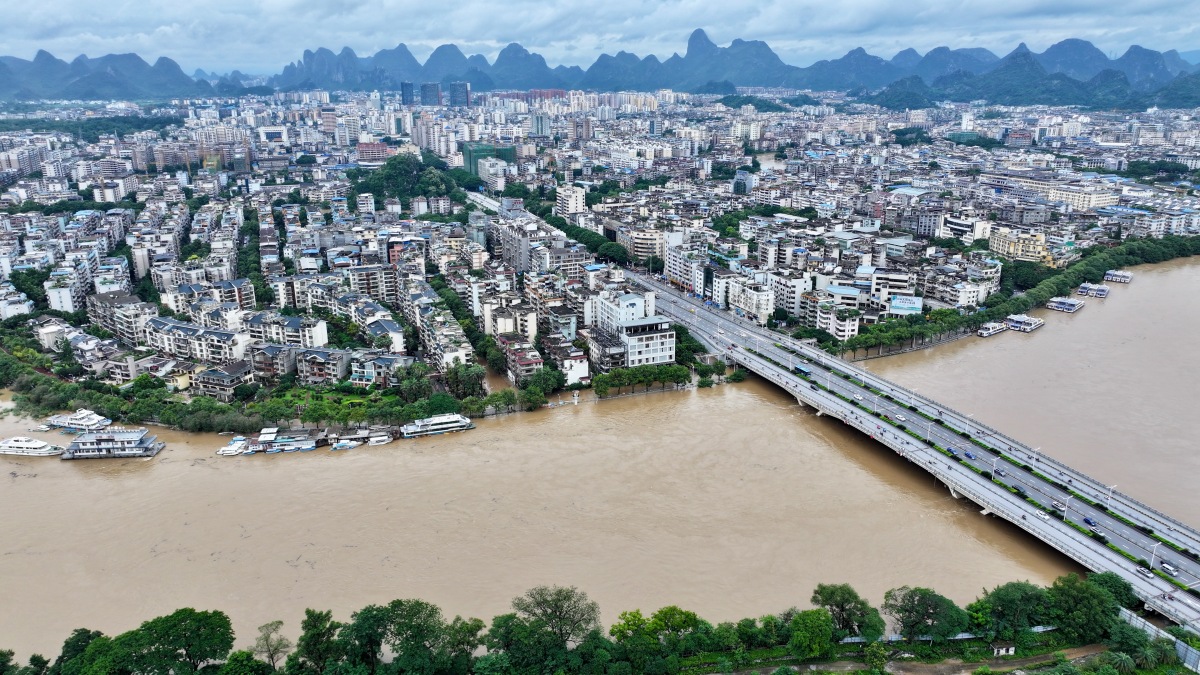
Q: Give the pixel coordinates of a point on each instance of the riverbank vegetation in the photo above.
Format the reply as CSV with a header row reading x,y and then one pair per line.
x,y
1024,286
554,629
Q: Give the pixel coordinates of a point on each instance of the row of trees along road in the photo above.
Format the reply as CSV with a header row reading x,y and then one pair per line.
x,y
554,629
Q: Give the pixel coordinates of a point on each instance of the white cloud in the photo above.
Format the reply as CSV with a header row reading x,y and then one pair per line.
x,y
261,36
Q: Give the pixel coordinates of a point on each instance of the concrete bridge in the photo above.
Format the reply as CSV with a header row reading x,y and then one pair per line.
x,y
1084,518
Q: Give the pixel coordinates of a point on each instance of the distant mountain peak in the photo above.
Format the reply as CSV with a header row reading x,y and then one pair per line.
x,y
699,45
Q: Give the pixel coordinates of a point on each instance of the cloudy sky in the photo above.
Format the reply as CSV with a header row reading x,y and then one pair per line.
x,y
260,36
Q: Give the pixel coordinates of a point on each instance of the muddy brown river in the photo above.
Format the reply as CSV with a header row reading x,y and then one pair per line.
x,y
732,501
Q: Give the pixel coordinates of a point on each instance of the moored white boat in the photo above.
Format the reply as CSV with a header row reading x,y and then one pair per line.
x,y
438,424
80,420
29,447
236,446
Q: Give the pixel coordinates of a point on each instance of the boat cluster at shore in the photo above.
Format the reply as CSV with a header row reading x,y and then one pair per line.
x,y
273,440
1027,324
96,438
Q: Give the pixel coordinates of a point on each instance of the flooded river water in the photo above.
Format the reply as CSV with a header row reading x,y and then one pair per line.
x,y
731,501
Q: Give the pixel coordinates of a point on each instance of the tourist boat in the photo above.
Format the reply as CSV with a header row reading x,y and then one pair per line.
x,y
236,446
1119,276
114,442
1068,305
344,445
1023,323
30,447
438,424
991,328
1093,290
380,439
78,421
271,440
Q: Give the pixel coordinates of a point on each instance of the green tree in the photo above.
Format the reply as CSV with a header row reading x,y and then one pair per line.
x,y
1125,638
875,656
812,634
1121,590
243,663
655,264
532,398
852,615
74,646
921,612
1015,607
272,645
317,645
614,252
187,639
566,611
1121,662
1083,611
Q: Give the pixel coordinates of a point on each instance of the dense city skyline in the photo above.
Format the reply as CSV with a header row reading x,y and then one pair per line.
x,y
224,36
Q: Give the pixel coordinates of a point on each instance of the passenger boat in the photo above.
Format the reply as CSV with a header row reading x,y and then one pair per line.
x,y
991,328
29,447
79,421
1068,305
236,446
114,442
1119,276
438,424
272,440
1023,323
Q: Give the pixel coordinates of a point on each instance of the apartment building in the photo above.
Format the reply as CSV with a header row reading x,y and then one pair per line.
x,y
121,314
270,361
628,333
302,331
1019,245
191,341
219,382
319,366
380,282
755,300
521,359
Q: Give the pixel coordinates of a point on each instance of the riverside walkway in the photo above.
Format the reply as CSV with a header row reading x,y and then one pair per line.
x,y
1084,518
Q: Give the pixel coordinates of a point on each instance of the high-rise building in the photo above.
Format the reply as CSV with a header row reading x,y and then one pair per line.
x,y
460,94
540,125
570,199
473,152
431,93
406,94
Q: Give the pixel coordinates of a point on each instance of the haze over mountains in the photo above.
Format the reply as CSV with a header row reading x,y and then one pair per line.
x,y
1069,72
